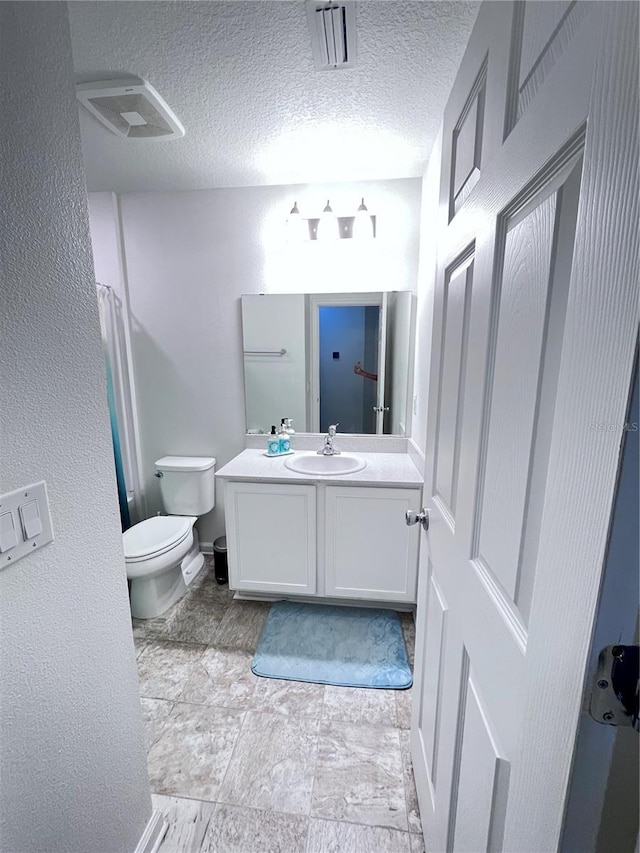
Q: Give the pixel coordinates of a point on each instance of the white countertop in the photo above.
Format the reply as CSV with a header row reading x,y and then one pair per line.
x,y
382,469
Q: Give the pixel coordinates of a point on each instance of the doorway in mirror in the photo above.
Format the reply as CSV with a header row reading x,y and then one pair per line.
x,y
348,338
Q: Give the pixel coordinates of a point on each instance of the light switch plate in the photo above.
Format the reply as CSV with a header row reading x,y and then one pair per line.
x,y
15,502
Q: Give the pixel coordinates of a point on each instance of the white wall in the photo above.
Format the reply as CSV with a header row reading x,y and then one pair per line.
x,y
189,257
105,239
426,282
71,741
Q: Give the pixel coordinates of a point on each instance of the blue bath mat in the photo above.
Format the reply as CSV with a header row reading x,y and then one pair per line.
x,y
347,646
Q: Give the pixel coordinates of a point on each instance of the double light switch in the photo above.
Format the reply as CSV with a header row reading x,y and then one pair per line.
x,y
25,523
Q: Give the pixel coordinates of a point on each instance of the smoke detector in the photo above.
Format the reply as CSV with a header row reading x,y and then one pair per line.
x,y
130,108
332,27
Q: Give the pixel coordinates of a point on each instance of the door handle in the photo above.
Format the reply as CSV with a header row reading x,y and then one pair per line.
x,y
421,517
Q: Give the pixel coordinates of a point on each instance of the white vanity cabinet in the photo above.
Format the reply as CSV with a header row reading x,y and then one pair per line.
x,y
271,537
369,550
321,540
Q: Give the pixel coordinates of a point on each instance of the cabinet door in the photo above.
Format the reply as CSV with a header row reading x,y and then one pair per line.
x,y
271,537
370,552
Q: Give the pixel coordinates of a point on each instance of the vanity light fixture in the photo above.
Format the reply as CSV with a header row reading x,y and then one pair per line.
x,y
328,227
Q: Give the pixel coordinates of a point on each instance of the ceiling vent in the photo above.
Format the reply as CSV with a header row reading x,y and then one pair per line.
x,y
333,34
130,108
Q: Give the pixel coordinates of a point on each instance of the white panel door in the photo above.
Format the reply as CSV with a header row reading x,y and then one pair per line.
x,y
271,537
369,552
535,321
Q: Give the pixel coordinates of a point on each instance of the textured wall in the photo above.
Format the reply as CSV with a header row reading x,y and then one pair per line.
x,y
189,258
71,743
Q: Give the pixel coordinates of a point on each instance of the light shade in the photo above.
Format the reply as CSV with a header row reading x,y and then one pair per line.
x,y
327,225
362,223
297,227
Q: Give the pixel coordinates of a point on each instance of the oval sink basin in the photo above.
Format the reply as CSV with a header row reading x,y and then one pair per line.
x,y
325,465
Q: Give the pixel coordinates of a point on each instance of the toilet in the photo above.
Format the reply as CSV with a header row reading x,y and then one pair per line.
x,y
162,553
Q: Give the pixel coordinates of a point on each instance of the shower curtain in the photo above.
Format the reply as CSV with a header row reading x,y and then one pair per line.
x,y
120,401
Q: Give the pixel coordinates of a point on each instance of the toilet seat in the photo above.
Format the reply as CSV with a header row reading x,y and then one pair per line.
x,y
156,536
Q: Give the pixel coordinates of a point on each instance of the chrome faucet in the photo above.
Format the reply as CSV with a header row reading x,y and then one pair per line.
x,y
328,448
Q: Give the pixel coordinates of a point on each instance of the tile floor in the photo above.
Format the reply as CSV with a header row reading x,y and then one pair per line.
x,y
241,764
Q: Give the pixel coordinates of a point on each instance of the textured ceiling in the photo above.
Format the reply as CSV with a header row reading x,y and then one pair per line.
x,y
240,77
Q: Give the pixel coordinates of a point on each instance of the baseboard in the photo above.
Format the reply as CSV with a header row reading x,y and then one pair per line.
x,y
154,833
206,547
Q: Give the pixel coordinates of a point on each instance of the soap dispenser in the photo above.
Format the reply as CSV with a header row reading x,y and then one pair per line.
x,y
273,442
283,438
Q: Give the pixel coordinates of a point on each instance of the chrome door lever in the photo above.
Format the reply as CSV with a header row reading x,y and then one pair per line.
x,y
421,517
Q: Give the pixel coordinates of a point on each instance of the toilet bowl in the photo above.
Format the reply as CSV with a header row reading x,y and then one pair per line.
x,y
162,553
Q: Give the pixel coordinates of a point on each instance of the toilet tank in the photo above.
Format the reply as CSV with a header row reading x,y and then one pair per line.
x,y
187,484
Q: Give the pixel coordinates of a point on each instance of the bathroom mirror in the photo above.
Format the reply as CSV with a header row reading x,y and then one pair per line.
x,y
329,358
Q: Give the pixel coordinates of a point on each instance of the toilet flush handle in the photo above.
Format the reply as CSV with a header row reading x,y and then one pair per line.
x,y
158,474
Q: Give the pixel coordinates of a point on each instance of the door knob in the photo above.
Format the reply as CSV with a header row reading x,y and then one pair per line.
x,y
421,517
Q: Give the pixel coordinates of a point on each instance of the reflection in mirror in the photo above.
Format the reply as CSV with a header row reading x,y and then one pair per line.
x,y
322,359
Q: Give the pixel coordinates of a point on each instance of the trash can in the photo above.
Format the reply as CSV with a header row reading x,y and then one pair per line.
x,y
220,559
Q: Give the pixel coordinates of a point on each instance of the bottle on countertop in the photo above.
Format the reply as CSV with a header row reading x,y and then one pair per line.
x,y
273,442
283,438
289,426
